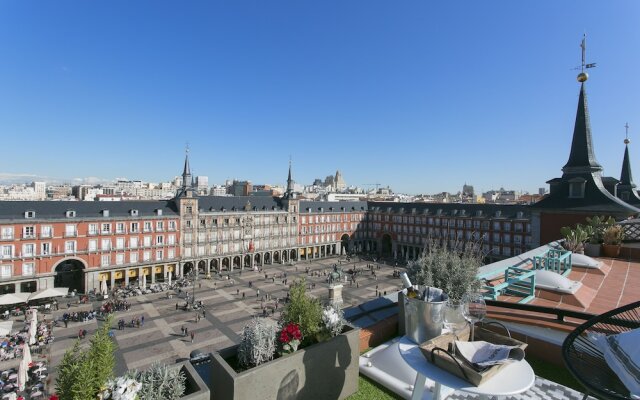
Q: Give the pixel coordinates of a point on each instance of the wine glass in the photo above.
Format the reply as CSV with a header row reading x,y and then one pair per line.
x,y
474,309
453,319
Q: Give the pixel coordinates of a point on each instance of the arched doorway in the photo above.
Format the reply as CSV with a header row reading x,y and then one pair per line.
x,y
214,265
267,258
292,255
225,264
247,261
187,268
69,273
345,243
285,257
202,267
236,262
276,257
386,245
256,259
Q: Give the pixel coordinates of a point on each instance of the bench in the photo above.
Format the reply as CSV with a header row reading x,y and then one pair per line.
x,y
517,282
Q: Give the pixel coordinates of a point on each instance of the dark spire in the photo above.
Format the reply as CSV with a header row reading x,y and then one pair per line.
x,y
186,173
581,158
289,180
625,175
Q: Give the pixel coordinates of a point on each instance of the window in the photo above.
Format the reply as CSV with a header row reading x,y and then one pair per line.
x,y
507,226
106,229
120,227
71,214
45,249
171,253
188,210
93,229
147,226
6,251
172,225
119,259
160,225
188,224
133,242
30,214
28,269
159,240
7,233
135,226
105,260
147,241
93,245
133,258
45,231
70,230
159,255
106,244
70,246
28,232
146,256
576,188
5,271
171,239
120,243
28,250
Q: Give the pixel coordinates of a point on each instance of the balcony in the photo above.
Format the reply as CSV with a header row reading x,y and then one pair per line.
x,y
7,237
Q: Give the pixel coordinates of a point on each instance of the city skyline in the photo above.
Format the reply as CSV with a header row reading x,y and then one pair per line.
x,y
419,97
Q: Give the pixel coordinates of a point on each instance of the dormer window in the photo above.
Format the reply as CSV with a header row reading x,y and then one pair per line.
x,y
576,188
134,213
158,211
105,213
71,214
498,214
29,214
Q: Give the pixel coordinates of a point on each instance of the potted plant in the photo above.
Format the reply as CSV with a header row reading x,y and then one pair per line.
x,y
574,239
596,227
309,353
613,237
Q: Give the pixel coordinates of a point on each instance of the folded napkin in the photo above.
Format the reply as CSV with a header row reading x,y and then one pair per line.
x,y
622,354
434,294
484,354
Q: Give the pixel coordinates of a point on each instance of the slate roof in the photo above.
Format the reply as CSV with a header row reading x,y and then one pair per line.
x,y
453,209
332,206
582,154
51,210
228,203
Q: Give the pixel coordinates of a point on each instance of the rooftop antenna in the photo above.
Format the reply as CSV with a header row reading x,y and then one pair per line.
x,y
583,76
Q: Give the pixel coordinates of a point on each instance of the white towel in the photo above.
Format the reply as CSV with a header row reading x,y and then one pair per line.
x,y
622,354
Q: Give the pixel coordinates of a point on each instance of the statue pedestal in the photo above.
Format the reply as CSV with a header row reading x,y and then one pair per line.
x,y
335,294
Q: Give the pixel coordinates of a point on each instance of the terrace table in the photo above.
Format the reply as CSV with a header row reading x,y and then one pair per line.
x,y
513,379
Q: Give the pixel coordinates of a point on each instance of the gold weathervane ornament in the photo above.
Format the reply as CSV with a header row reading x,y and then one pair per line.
x,y
626,133
583,76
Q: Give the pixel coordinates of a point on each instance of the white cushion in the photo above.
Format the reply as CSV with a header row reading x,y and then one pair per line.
x,y
622,354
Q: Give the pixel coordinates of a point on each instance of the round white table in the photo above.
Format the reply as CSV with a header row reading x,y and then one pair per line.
x,y
515,378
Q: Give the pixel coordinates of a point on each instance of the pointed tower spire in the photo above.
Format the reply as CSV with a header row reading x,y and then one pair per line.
x,y
186,173
289,192
625,175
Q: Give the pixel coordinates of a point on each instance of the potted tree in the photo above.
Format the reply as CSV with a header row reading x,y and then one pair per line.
x,y
596,227
309,353
613,237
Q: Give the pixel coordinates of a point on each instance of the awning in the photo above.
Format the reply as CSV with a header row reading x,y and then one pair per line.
x,y
48,293
14,298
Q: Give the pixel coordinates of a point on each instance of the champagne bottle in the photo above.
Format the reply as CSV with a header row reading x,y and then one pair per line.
x,y
412,293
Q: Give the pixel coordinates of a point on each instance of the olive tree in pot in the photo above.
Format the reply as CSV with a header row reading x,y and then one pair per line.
x,y
613,237
596,226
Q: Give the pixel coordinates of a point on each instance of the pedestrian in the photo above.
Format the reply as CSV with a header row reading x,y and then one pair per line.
x,y
203,313
200,285
176,306
142,320
66,322
243,295
192,336
238,292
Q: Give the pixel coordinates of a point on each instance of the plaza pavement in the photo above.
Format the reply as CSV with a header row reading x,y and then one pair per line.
x,y
160,338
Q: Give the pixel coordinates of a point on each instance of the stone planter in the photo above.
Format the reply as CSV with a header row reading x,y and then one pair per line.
x,y
195,387
592,249
611,250
327,370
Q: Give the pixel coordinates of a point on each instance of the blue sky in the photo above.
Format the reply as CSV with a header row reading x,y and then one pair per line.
x,y
419,95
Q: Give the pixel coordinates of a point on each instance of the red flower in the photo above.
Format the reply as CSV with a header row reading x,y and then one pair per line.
x,y
54,397
290,332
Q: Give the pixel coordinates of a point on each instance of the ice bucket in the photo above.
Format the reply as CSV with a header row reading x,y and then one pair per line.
x,y
423,319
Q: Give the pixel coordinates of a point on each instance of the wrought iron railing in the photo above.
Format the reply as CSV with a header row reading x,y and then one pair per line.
x,y
631,230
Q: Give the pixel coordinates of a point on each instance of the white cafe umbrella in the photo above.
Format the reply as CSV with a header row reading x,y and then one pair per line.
x,y
144,282
5,327
34,326
13,298
24,367
104,289
169,278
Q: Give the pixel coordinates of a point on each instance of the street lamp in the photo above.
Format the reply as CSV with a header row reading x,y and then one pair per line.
x,y
195,280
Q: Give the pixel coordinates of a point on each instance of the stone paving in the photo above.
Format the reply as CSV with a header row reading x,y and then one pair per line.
x,y
227,312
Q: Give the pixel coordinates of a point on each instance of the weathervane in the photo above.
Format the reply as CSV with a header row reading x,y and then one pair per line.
x,y
583,76
186,148
626,133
